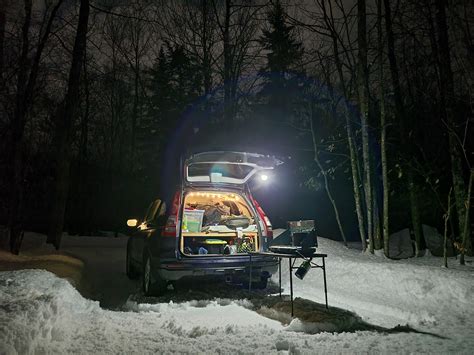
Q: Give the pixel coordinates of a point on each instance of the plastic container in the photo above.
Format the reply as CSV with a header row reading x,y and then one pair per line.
x,y
192,220
214,246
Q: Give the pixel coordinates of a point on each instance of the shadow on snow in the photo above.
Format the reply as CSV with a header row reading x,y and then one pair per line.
x,y
309,317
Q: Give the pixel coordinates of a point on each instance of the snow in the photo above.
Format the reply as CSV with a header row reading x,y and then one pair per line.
x,y
414,291
41,313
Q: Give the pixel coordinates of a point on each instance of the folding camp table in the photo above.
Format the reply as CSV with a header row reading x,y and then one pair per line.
x,y
292,257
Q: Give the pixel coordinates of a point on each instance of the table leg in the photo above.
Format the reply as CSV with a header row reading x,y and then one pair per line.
x,y
250,276
279,274
325,287
291,287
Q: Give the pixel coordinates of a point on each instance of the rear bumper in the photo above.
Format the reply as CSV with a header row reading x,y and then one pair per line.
x,y
174,269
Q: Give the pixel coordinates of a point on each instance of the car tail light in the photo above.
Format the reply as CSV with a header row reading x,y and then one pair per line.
x,y
170,229
264,218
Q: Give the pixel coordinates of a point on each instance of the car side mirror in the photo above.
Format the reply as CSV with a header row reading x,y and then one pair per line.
x,y
132,222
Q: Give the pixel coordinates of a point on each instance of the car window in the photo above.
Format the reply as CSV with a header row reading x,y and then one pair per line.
x,y
151,211
162,210
228,170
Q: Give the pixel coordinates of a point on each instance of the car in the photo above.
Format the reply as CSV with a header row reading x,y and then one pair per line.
x,y
208,228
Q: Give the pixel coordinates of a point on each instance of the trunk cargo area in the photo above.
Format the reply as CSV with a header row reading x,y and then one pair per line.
x,y
217,223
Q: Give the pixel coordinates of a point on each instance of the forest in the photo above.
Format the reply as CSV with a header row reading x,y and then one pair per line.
x,y
368,102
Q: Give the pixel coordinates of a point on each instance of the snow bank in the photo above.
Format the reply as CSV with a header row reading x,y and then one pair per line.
x,y
37,309
64,266
417,292
40,313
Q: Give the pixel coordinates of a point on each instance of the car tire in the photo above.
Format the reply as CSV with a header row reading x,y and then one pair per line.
x,y
152,283
132,272
260,285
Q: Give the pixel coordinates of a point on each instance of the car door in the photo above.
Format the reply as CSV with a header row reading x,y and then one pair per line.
x,y
144,229
153,240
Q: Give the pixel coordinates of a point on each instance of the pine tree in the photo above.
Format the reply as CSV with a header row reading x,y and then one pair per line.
x,y
151,126
160,85
284,53
284,50
175,84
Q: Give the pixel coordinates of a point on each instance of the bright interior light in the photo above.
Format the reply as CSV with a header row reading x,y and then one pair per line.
x,y
132,222
264,177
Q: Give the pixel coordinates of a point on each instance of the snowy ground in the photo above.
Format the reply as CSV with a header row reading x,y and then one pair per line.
x,y
41,313
103,264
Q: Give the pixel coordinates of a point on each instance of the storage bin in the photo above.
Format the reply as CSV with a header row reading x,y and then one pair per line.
x,y
192,220
214,246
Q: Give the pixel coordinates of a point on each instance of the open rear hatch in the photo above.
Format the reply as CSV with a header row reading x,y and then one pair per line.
x,y
234,168
218,217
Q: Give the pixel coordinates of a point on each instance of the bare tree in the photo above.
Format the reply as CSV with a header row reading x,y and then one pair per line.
x,y
400,114
383,132
238,29
192,25
363,95
447,215
330,26
115,123
26,81
2,35
138,35
324,25
66,114
325,174
465,236
448,102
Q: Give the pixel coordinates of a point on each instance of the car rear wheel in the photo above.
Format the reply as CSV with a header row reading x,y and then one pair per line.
x,y
131,271
260,285
153,284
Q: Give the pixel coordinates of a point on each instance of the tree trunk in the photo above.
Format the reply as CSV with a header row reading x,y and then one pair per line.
x,y
227,66
24,100
355,182
400,115
65,118
18,127
378,242
135,108
445,241
447,101
383,134
81,207
466,237
362,79
3,6
415,214
206,62
84,138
